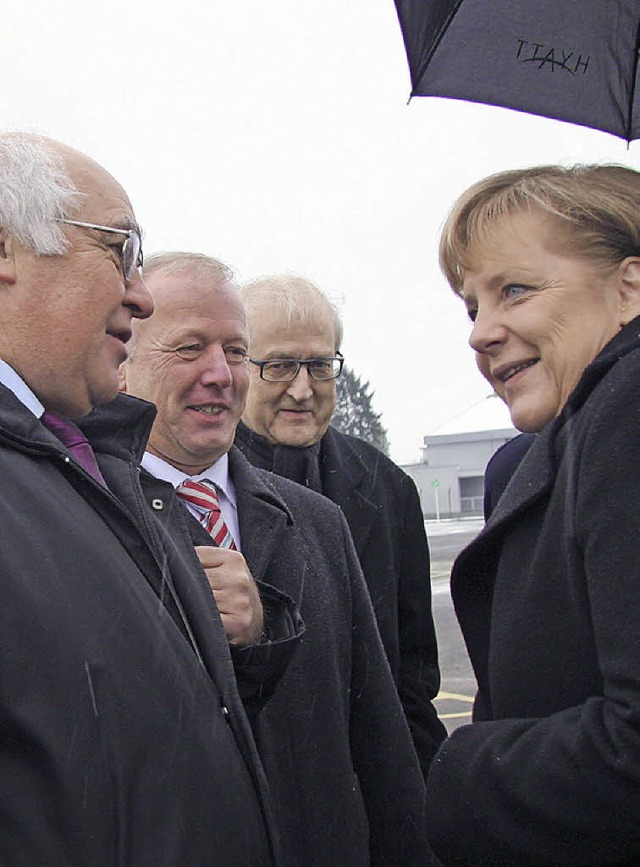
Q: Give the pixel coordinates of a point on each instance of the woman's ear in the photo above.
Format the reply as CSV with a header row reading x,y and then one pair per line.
x,y
7,259
629,289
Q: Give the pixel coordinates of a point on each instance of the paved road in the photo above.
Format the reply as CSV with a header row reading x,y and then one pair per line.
x,y
446,539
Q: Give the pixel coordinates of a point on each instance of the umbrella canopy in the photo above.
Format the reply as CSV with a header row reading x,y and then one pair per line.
x,y
573,60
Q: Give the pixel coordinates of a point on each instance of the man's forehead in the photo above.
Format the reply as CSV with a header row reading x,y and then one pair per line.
x,y
102,197
273,324
188,288
184,305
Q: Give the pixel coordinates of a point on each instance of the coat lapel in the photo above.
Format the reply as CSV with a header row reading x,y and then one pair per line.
x,y
475,568
346,480
262,513
533,478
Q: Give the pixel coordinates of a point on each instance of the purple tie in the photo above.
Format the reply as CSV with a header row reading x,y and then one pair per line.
x,y
73,438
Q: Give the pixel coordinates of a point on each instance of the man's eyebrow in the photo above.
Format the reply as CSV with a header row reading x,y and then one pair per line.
x,y
133,224
278,355
126,223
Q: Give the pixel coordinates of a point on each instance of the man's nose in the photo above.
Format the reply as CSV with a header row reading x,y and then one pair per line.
x,y
138,297
301,387
215,367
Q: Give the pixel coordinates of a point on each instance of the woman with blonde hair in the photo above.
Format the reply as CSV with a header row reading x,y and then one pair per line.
x,y
547,263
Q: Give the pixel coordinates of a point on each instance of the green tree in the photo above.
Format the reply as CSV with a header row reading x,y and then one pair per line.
x,y
354,413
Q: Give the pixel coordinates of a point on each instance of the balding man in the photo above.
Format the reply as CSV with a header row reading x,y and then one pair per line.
x,y
296,335
124,740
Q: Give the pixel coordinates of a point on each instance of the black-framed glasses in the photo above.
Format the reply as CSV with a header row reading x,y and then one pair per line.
x,y
286,369
131,251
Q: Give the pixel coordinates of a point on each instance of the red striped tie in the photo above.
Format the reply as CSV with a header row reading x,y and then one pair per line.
x,y
204,495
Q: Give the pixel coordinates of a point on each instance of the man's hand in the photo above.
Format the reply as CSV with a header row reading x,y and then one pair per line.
x,y
235,592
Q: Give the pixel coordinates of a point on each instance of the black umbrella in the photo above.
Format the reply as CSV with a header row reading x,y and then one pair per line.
x,y
573,60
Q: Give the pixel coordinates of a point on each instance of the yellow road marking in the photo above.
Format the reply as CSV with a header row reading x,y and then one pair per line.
x,y
455,696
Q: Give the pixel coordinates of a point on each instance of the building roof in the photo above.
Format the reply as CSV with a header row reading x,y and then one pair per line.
x,y
488,414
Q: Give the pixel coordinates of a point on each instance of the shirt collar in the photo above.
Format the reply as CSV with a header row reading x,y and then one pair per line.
x,y
15,383
218,473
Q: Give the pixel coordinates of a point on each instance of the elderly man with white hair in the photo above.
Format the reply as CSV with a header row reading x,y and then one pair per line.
x,y
296,336
124,740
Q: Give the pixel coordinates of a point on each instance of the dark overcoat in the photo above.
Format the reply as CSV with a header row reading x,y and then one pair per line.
x,y
123,741
344,777
503,464
548,598
382,508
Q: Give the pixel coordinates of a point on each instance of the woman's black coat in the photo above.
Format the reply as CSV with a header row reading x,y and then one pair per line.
x,y
548,597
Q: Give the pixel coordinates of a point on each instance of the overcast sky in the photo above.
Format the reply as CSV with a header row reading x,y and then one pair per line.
x,y
276,135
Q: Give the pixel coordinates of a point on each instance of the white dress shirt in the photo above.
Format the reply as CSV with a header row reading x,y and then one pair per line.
x,y
19,387
218,473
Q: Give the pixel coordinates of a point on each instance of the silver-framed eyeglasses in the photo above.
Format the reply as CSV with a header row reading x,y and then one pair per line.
x,y
131,251
286,369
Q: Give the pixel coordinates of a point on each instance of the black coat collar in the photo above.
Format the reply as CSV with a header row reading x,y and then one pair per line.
x,y
536,474
120,428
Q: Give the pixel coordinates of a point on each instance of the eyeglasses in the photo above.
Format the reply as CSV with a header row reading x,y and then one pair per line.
x,y
286,369
131,251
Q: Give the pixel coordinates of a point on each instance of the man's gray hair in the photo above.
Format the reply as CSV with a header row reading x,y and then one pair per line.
x,y
35,192
175,263
298,298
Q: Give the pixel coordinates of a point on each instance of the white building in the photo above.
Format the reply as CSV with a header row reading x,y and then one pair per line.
x,y
450,476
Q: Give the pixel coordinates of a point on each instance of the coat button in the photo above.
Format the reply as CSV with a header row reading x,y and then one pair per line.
x,y
157,504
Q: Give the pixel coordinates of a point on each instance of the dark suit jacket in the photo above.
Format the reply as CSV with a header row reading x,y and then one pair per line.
x,y
548,598
382,508
345,782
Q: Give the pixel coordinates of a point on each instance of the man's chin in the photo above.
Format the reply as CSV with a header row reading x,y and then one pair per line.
x,y
296,437
209,451
83,404
103,388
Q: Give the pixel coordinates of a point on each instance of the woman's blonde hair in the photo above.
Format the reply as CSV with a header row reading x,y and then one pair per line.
x,y
599,205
